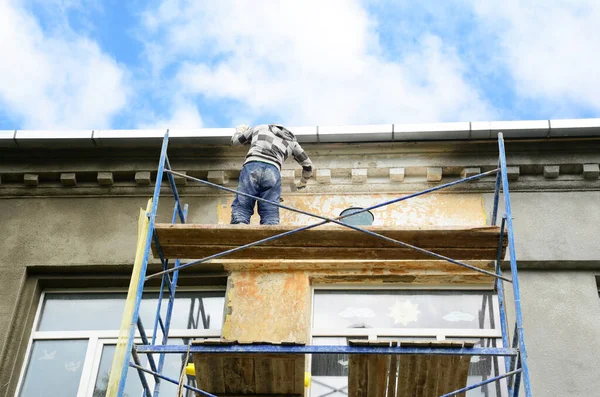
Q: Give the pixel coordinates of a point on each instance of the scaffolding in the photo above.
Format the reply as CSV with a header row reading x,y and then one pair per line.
x,y
514,352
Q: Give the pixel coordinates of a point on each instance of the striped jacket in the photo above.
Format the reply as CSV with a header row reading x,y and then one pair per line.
x,y
272,144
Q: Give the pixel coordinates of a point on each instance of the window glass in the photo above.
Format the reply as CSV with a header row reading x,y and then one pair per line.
x,y
133,387
103,311
381,312
54,368
404,309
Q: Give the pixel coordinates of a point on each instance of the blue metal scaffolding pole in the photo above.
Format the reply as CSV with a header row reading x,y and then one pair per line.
x,y
513,269
512,355
140,287
327,349
181,213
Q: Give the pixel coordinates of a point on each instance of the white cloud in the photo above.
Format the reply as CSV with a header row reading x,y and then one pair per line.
x,y
310,62
551,48
56,80
183,115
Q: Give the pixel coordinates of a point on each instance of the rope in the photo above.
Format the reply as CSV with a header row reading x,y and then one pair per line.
x,y
180,387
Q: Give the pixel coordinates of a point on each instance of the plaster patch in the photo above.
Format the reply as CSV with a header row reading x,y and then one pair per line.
x,y
428,210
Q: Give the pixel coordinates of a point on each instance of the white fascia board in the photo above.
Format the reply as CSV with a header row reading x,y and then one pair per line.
x,y
433,131
356,133
520,129
305,134
120,134
219,136
7,138
78,138
128,137
574,127
481,130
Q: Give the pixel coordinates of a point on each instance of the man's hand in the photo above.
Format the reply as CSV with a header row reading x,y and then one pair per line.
x,y
240,129
302,183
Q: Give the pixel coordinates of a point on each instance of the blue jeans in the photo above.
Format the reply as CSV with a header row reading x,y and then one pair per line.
x,y
261,180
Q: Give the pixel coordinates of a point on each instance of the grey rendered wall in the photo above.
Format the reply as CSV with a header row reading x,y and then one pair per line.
x,y
74,234
561,308
80,231
555,226
561,316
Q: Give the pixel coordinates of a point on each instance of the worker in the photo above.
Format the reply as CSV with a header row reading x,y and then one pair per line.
x,y
270,146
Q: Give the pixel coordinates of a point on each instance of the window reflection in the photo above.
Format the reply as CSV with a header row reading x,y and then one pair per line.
x,y
103,311
133,387
404,309
54,368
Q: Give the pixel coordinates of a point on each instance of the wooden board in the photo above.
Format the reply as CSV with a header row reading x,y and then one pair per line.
x,y
407,375
327,242
250,374
400,266
369,375
357,375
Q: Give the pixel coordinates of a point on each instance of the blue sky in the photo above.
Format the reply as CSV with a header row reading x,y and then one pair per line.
x,y
93,64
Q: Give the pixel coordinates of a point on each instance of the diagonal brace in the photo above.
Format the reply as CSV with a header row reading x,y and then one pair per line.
x,y
336,221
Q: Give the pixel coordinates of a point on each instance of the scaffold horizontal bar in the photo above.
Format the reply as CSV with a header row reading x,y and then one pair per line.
x,y
326,349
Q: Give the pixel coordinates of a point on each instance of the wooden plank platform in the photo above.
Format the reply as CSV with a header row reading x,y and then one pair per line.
x,y
192,241
411,375
369,375
229,375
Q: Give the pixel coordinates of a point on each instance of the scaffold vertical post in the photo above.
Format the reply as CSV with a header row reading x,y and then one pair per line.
x,y
513,268
140,286
172,290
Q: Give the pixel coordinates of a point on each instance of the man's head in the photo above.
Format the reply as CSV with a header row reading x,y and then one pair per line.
x,y
282,132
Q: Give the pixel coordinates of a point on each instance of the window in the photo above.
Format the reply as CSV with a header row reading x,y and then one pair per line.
x,y
75,334
340,315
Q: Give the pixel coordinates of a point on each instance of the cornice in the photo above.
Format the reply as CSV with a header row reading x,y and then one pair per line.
x,y
339,168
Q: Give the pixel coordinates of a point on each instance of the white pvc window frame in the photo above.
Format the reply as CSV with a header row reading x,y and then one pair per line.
x,y
98,339
373,334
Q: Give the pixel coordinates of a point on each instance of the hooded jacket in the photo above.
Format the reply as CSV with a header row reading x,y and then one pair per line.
x,y
272,144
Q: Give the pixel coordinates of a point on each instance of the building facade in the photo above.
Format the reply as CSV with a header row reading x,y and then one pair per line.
x,y
69,203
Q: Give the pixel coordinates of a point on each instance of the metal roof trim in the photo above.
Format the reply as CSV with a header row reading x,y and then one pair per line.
x,y
7,138
575,127
40,138
355,133
433,131
476,130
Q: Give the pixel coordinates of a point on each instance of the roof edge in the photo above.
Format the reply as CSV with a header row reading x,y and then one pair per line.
x,y
395,132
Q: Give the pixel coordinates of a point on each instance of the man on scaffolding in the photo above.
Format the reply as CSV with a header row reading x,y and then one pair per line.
x,y
270,146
